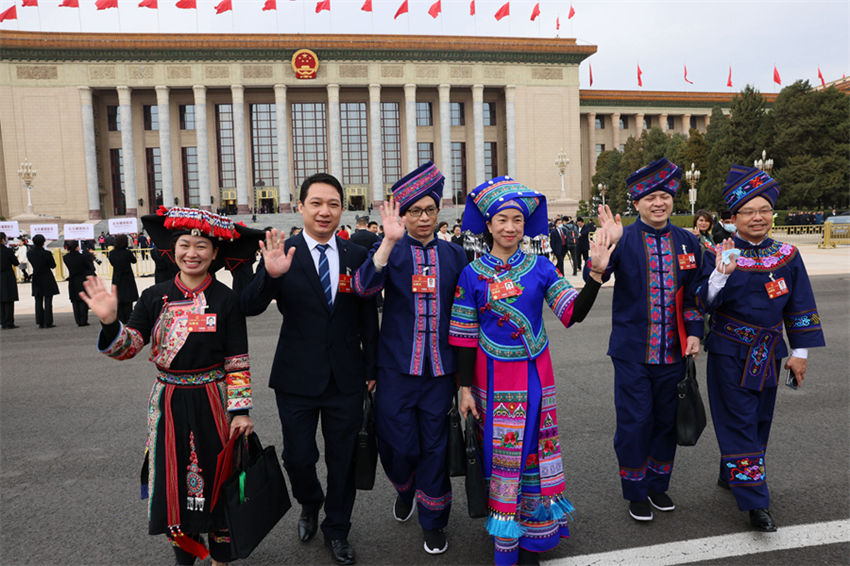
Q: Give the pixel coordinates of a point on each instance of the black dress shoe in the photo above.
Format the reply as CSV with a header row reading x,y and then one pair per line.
x,y
308,524
341,551
761,520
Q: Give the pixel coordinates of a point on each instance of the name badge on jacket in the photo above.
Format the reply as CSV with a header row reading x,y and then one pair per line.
x,y
201,322
687,261
504,289
424,284
776,288
345,283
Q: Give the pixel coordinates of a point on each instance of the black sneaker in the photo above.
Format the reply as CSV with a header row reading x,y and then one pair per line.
x,y
661,501
435,541
402,511
640,510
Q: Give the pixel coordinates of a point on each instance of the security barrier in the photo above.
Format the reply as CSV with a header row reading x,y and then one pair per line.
x,y
835,234
811,234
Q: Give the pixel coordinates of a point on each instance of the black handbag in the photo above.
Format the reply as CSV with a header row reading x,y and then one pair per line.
x,y
476,488
254,497
366,453
690,412
456,457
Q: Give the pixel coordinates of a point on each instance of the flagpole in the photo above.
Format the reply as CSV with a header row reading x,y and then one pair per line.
x,y
118,12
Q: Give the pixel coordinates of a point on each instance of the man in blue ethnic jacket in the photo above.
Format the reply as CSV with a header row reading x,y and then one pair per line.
x,y
418,273
750,298
655,323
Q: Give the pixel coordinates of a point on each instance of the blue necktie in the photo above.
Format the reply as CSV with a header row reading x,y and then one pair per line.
x,y
325,272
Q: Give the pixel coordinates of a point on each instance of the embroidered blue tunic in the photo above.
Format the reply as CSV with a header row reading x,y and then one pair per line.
x,y
747,323
644,325
415,329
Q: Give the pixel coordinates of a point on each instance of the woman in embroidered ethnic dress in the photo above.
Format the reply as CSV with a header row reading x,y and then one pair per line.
x,y
202,393
505,369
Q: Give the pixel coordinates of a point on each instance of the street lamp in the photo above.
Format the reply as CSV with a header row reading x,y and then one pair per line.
x,y
603,190
692,177
764,163
27,174
561,163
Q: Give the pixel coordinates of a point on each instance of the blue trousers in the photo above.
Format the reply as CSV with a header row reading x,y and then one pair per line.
x,y
645,441
411,422
742,419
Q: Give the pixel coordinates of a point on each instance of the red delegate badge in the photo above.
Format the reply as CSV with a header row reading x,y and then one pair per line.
x,y
776,288
201,322
687,261
504,289
345,283
424,284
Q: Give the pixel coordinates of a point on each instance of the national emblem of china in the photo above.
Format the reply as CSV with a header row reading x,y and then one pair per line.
x,y
305,64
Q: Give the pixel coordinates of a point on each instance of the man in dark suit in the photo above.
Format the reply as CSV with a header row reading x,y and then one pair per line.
x,y
8,284
556,242
325,356
43,282
362,236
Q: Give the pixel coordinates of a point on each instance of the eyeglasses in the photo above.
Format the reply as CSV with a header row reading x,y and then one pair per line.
x,y
417,212
749,212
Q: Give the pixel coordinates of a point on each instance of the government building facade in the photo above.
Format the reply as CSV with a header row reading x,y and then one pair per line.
x,y
118,124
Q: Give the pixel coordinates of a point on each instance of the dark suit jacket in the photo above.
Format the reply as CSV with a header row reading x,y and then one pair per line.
x,y
80,266
122,275
8,283
317,343
364,238
43,281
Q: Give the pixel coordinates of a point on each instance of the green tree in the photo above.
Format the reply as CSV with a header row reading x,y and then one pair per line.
x,y
607,172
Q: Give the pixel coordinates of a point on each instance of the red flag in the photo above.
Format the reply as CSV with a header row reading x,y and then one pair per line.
x,y
472,8
686,76
70,4
367,6
401,9
640,81
323,5
820,76
589,66
148,4
435,9
535,12
558,22
29,3
270,5
104,4
505,10
9,14
572,12
776,78
729,80
223,6
186,4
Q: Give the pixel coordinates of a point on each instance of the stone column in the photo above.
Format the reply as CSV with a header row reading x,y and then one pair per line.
x,y
128,156
202,146
615,130
334,133
591,142
707,120
478,133
241,154
663,122
445,164
638,125
90,153
376,156
412,155
284,184
165,149
510,128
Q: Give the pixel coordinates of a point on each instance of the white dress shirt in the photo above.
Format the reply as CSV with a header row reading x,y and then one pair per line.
x,y
332,253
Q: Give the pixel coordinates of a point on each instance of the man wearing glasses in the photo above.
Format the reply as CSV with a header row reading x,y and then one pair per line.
x,y
416,365
750,298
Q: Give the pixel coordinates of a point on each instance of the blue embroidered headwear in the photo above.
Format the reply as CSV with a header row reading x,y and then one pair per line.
x,y
745,183
499,194
661,175
425,180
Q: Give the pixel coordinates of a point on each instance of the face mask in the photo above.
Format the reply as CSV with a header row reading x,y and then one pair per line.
x,y
730,228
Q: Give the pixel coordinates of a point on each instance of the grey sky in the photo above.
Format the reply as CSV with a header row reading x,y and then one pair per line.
x,y
707,36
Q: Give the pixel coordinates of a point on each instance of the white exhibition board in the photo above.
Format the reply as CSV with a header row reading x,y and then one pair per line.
x,y
79,231
123,225
10,228
49,231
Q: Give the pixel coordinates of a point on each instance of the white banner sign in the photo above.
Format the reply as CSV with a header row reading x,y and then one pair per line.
x,y
10,227
123,225
79,231
49,231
